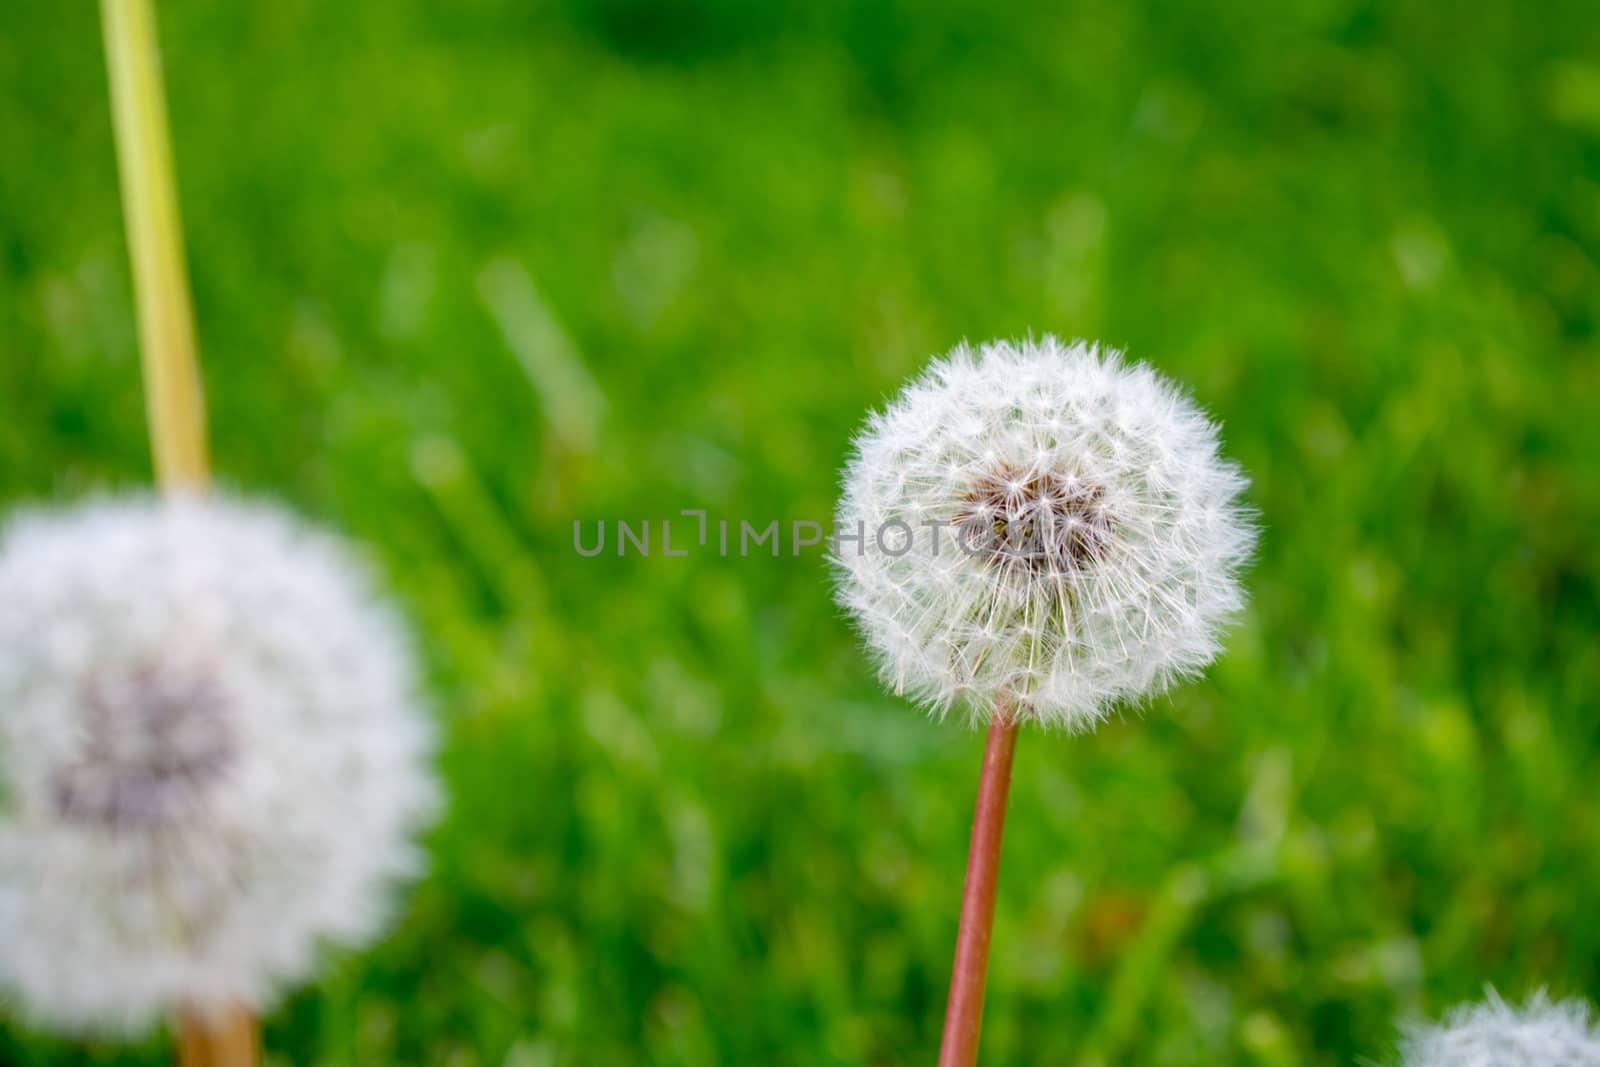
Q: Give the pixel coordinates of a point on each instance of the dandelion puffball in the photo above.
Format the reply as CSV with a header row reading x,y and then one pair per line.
x,y
1041,526
213,758
1494,1034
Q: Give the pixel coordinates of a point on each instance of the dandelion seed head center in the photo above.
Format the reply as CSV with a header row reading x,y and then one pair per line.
x,y
154,739
1042,521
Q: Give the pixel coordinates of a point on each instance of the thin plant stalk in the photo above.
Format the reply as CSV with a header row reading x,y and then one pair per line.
x,y
225,1040
964,1012
173,396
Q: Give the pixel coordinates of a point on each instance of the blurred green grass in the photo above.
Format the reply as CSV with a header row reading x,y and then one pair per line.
x,y
687,826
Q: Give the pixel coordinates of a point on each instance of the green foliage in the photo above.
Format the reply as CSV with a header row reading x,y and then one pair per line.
x,y
688,828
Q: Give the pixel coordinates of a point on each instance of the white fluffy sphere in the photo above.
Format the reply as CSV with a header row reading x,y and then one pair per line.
x,y
213,758
1494,1034
1042,526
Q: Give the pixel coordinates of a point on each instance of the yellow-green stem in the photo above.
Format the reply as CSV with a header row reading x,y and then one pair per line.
x,y
227,1038
174,401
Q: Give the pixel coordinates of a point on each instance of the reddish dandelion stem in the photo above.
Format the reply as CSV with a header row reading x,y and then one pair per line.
x,y
964,1013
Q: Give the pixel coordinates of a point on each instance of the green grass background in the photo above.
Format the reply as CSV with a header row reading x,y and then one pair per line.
x,y
687,826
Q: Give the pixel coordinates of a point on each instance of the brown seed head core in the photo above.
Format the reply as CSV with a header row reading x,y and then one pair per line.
x,y
153,738
1040,521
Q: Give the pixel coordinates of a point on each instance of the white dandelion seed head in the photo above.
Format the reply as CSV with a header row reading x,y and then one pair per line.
x,y
1494,1034
213,758
1041,525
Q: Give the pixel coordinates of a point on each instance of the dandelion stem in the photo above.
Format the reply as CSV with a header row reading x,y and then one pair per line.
x,y
173,397
964,1013
174,401
225,1040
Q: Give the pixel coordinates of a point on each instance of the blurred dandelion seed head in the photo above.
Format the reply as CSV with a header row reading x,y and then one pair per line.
x,y
213,754
153,739
1093,533
1494,1034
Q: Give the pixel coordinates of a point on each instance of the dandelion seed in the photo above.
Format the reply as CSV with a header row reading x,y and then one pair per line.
x,y
1543,1033
212,754
1098,532
1100,537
